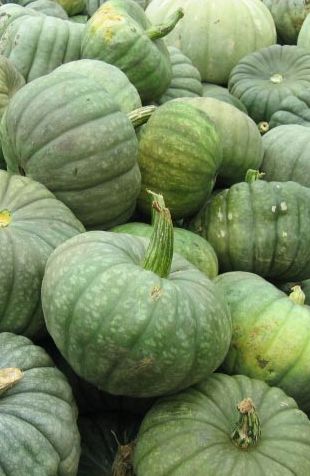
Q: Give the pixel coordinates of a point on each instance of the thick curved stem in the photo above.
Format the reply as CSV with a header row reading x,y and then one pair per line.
x,y
159,31
297,295
253,175
247,431
8,378
141,115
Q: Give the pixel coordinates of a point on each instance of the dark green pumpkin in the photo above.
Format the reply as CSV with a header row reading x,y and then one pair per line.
x,y
189,245
201,432
261,80
270,335
48,7
120,33
294,109
180,154
261,227
215,91
38,413
32,224
65,131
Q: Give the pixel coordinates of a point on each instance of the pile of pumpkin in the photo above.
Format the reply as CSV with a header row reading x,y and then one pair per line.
x,y
154,238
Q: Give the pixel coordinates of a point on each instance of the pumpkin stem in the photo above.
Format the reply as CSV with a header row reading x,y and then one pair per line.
x,y
263,127
159,31
159,253
122,464
5,218
8,378
247,430
253,175
141,115
297,295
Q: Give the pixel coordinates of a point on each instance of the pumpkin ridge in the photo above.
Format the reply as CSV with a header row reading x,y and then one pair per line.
x,y
35,50
268,456
13,275
275,199
8,178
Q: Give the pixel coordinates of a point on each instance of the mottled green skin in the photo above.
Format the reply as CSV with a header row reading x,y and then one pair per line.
x,y
73,7
270,335
148,335
288,16
111,78
39,224
38,415
261,227
36,45
101,433
286,154
49,7
93,5
189,433
250,81
294,109
189,245
65,131
305,286
117,34
222,94
186,79
180,154
10,11
240,138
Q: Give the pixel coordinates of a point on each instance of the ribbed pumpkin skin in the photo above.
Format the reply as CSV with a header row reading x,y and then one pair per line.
x,y
286,154
49,7
148,335
73,7
189,433
36,45
293,110
288,16
240,138
38,414
222,35
261,227
189,245
179,156
11,11
110,78
270,335
263,79
303,39
39,223
65,131
222,94
186,80
117,34
10,82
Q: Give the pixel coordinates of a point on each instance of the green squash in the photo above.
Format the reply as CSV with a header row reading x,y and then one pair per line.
x,y
261,80
48,7
261,227
288,16
216,34
224,426
180,154
270,334
65,131
189,245
38,413
111,78
186,80
153,324
73,7
79,19
222,94
241,141
119,33
10,12
286,154
32,224
93,5
293,109
303,39
36,45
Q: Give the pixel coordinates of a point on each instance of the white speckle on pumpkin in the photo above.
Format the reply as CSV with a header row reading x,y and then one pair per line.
x,y
283,206
230,216
273,208
220,215
222,233
284,234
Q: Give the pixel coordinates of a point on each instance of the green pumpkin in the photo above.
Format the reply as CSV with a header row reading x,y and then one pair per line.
x,y
261,227
189,245
38,413
36,45
153,324
48,7
79,19
294,109
261,80
65,131
119,33
303,39
288,16
186,80
216,34
11,11
270,334
32,224
73,7
227,426
286,154
180,154
222,94
240,138
93,5
111,78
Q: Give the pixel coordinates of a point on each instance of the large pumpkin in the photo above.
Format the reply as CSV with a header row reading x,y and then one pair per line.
x,y
224,426
153,325
38,413
293,109
216,34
